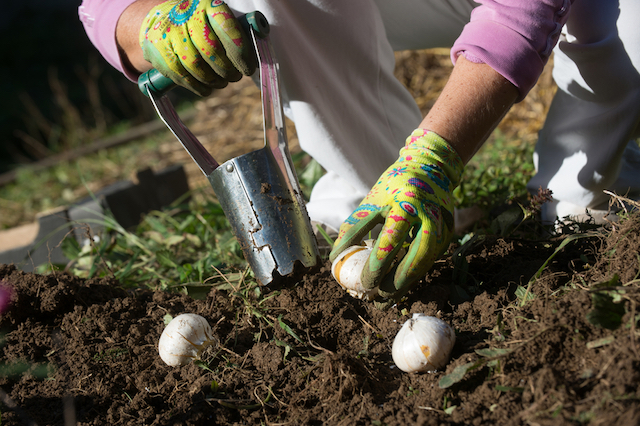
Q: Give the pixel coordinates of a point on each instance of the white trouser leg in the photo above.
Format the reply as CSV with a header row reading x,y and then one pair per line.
x,y
586,143
336,65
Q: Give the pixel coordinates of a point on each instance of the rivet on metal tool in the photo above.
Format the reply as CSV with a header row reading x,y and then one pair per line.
x,y
230,168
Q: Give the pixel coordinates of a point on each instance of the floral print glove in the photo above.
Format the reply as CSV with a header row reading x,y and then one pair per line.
x,y
198,44
413,200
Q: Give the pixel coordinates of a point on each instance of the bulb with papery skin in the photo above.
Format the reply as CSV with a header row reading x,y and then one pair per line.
x,y
424,343
184,339
347,270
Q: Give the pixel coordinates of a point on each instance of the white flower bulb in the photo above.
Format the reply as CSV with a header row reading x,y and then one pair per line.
x,y
184,338
347,270
424,343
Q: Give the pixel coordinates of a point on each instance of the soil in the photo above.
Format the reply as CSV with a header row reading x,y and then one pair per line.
x,y
84,352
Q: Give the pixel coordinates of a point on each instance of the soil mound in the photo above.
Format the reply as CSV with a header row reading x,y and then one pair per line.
x,y
562,350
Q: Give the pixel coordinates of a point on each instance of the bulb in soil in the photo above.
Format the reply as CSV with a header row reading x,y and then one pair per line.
x,y
184,339
347,270
424,343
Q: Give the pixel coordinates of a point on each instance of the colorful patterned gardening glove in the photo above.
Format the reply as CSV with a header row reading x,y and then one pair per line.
x,y
198,44
413,200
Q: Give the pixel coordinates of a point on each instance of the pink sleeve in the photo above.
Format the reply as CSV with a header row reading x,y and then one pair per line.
x,y
100,18
514,37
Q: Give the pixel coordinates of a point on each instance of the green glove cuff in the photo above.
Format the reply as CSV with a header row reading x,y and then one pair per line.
x,y
432,149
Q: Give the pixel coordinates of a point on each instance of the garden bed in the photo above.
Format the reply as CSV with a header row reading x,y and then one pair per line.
x,y
86,350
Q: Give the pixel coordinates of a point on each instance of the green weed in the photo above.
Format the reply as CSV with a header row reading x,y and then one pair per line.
x,y
180,248
490,357
498,172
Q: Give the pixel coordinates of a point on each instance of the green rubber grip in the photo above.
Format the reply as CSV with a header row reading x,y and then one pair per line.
x,y
160,84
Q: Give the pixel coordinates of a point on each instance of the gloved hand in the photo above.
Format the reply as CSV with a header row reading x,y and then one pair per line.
x,y
413,200
198,44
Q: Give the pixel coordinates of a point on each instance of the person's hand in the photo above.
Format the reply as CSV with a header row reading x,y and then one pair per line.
x,y
198,44
413,200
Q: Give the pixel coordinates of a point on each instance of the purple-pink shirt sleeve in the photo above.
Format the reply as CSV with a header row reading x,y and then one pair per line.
x,y
514,37
100,18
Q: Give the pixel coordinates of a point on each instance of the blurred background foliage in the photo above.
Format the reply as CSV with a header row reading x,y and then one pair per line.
x,y
57,91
